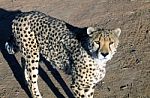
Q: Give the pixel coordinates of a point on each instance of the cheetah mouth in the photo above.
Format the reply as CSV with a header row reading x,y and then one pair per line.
x,y
102,58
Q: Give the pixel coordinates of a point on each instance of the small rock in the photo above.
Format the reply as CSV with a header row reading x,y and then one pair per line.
x,y
108,88
123,87
132,50
138,61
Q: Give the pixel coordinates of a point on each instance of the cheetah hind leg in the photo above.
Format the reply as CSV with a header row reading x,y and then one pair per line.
x,y
26,74
31,73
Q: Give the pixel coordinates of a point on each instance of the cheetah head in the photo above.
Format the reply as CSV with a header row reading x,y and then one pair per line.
x,y
103,43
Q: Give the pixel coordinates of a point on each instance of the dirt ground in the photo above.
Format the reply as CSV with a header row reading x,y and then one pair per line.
x,y
128,73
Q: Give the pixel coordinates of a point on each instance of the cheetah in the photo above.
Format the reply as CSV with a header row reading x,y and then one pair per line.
x,y
84,50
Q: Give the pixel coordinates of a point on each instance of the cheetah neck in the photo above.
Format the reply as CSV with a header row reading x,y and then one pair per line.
x,y
100,62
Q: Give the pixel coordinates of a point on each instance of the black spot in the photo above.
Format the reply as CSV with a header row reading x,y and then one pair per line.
x,y
76,91
28,56
24,24
31,24
34,76
21,35
35,92
24,53
34,53
37,24
33,68
89,95
18,32
32,61
29,69
37,29
34,46
33,81
17,28
29,32
82,96
79,88
85,56
26,35
31,35
46,30
26,28
21,20
53,32
24,40
35,17
33,21
25,19
26,44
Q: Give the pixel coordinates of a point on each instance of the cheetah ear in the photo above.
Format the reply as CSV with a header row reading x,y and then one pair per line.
x,y
117,32
90,31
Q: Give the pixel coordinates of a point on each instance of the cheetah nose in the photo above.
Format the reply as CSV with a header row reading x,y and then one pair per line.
x,y
104,54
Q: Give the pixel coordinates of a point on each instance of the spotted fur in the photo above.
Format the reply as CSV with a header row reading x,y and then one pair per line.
x,y
84,50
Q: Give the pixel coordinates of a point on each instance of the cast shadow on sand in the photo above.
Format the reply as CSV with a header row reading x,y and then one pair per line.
x,y
6,18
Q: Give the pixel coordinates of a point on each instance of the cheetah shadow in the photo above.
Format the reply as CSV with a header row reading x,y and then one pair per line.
x,y
6,18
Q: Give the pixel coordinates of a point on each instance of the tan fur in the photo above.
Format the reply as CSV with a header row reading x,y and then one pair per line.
x,y
105,42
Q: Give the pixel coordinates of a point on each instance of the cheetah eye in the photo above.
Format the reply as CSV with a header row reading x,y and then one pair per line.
x,y
97,42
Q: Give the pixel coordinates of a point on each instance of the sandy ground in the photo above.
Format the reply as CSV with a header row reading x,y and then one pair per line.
x,y
128,73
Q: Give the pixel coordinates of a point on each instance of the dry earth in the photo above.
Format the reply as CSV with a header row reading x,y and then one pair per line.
x,y
128,73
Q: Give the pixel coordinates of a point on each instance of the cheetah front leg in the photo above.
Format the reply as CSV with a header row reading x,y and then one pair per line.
x,y
89,92
82,92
